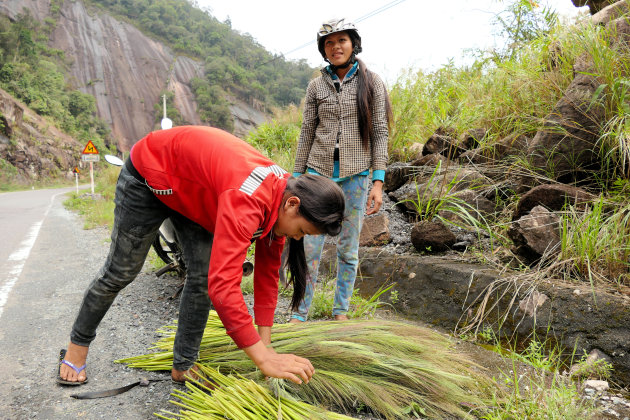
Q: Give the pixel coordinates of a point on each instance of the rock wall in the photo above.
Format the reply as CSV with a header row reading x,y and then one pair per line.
x,y
123,69
32,145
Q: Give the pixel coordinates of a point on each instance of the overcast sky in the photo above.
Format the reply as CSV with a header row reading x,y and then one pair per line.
x,y
396,34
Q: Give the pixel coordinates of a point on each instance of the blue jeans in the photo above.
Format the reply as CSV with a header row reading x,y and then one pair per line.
x,y
137,218
355,191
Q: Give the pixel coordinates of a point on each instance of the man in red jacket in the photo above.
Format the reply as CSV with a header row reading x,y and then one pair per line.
x,y
222,195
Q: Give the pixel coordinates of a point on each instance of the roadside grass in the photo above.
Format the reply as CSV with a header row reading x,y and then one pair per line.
x,y
595,243
537,385
97,210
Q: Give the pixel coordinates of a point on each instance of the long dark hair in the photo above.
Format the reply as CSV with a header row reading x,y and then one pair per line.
x,y
365,97
322,203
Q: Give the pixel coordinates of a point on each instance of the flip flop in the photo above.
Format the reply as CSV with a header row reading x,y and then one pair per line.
x,y
62,361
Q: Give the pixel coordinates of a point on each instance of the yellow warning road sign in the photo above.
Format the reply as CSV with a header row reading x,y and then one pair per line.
x,y
90,149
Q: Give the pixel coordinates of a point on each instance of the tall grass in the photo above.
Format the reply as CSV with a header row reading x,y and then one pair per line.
x,y
505,97
595,246
97,210
278,139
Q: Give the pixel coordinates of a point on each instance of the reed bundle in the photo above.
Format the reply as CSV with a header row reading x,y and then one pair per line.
x,y
239,398
390,369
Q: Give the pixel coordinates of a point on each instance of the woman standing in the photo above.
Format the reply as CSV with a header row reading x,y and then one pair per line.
x,y
344,135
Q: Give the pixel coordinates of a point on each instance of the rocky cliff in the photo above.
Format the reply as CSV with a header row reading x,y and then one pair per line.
x,y
124,70
33,146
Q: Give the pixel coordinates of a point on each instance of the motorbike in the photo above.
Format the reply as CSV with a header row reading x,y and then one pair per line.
x,y
167,246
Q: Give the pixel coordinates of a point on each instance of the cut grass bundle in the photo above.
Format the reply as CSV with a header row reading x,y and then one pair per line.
x,y
231,397
390,369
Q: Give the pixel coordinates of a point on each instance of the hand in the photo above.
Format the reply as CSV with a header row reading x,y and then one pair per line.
x,y
284,366
375,199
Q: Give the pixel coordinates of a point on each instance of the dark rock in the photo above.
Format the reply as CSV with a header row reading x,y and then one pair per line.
x,y
470,139
430,160
429,236
432,186
460,246
441,142
610,13
511,145
375,230
396,175
594,6
553,197
536,234
565,148
473,204
474,156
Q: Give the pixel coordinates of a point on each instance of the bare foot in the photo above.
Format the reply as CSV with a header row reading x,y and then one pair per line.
x,y
295,321
77,355
341,317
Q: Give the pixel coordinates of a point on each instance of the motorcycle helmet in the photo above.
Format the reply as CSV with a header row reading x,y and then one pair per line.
x,y
338,25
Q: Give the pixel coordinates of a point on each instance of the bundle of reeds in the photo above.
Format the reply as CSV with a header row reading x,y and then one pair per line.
x,y
390,369
238,398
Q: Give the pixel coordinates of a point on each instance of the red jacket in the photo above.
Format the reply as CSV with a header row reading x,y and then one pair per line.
x,y
229,188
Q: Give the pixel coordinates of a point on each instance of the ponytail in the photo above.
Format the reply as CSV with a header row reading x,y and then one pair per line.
x,y
365,100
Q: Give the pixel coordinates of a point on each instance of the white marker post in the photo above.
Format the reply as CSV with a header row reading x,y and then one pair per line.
x,y
75,171
166,122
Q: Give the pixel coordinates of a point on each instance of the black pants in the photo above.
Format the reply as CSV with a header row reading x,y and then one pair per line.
x,y
137,218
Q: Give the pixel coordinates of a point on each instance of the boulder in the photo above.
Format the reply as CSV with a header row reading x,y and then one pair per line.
x,y
475,157
429,237
472,138
610,13
515,144
594,6
430,160
536,234
553,197
443,142
566,147
375,230
472,203
396,175
433,186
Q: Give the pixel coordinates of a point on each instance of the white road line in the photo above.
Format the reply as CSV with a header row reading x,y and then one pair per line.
x,y
18,258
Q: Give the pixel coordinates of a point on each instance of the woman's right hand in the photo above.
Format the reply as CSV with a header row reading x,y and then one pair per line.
x,y
284,366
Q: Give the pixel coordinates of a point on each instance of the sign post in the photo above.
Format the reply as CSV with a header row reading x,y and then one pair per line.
x,y
75,171
90,154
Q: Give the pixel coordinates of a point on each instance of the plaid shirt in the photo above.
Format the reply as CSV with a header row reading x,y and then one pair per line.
x,y
329,114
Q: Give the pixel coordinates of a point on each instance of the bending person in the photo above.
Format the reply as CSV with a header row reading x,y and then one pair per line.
x,y
222,195
344,135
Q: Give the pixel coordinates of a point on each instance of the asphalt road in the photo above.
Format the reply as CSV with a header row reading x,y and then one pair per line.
x,y
47,260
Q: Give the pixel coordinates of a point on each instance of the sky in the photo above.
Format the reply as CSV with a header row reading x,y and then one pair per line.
x,y
396,34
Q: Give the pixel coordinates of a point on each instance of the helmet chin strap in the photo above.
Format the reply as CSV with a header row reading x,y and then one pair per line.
x,y
350,61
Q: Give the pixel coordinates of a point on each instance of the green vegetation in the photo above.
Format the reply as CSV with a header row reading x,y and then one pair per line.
x,y
535,387
278,139
97,210
216,396
34,73
394,370
235,63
